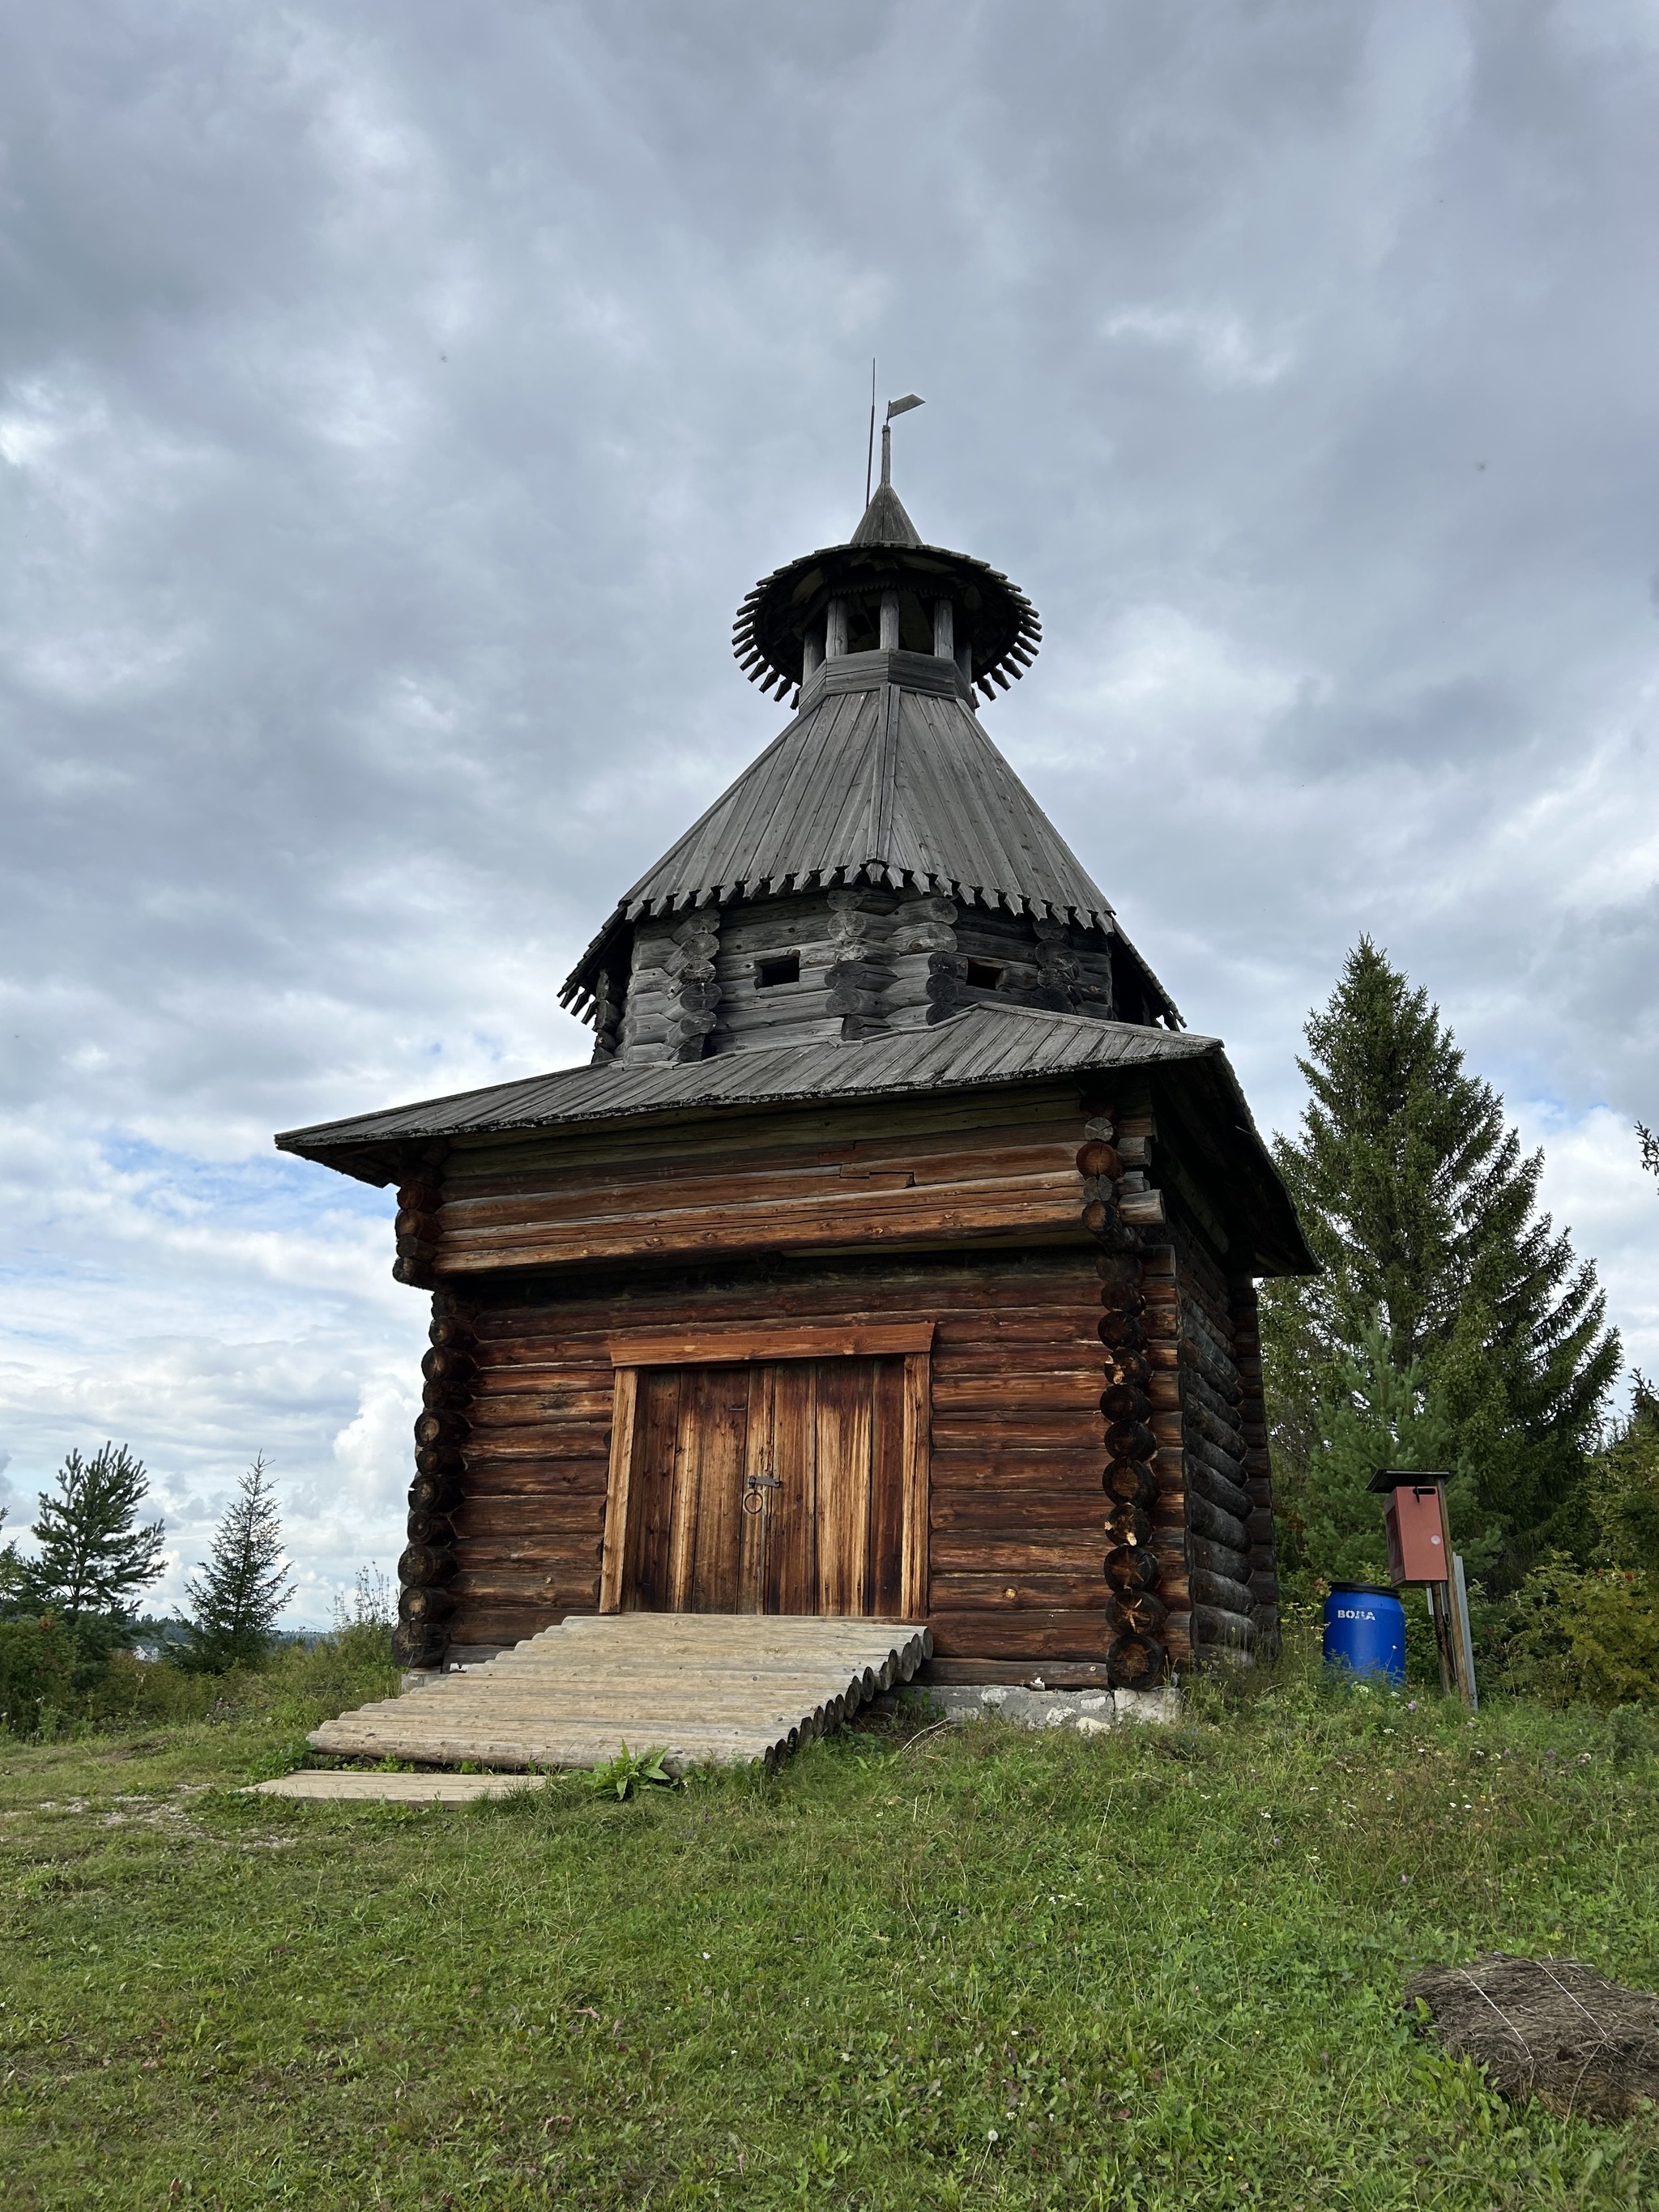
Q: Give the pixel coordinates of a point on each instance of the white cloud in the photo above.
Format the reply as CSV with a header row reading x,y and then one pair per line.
x,y
1226,350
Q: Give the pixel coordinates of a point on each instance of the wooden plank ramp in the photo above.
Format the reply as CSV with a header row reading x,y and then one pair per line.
x,y
709,1689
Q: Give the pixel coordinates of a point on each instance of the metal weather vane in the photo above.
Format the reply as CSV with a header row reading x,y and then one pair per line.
x,y
894,407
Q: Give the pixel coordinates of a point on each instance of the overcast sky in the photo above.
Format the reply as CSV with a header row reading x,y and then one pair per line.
x,y
396,401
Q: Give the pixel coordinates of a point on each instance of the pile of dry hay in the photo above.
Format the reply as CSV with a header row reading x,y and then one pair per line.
x,y
1549,2028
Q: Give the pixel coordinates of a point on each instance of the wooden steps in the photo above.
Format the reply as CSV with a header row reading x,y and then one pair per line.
x,y
708,1689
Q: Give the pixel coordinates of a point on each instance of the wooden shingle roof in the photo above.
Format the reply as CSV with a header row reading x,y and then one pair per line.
x,y
885,784
984,1046
885,775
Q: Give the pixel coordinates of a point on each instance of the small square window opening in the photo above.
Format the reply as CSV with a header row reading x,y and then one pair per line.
x,y
785,967
984,974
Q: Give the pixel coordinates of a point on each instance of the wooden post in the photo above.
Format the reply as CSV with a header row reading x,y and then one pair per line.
x,y
835,629
944,620
1462,1642
624,1402
918,1412
965,661
811,656
1450,1601
889,622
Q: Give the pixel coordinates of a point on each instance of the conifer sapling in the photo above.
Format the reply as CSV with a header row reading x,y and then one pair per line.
x,y
93,1558
238,1593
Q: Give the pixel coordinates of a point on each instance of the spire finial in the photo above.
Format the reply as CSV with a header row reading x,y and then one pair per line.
x,y
895,407
884,521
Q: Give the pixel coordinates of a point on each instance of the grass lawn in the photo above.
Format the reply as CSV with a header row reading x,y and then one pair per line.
x,y
975,1968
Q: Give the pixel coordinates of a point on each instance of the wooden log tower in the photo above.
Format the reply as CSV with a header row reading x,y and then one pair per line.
x,y
896,1255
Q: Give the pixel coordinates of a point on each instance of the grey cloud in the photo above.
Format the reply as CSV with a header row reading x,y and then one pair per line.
x,y
1447,729
395,402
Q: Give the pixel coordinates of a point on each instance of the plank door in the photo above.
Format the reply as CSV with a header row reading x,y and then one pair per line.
x,y
771,1487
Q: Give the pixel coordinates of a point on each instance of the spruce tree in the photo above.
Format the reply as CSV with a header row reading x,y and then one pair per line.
x,y
93,1557
1417,1199
1624,1487
238,1593
1366,1413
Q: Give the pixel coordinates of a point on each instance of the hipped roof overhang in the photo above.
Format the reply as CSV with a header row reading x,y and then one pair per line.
x,y
982,1047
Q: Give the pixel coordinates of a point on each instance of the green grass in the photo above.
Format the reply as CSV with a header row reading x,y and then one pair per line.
x,y
1160,1969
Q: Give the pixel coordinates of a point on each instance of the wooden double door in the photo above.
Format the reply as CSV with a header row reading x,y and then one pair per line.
x,y
785,1485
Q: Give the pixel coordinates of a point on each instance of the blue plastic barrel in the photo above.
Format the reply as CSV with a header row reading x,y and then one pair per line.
x,y
1365,1632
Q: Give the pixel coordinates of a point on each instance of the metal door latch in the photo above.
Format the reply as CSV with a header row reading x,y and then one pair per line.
x,y
753,1485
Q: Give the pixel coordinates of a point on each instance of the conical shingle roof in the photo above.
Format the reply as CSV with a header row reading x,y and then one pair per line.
x,y
884,521
886,784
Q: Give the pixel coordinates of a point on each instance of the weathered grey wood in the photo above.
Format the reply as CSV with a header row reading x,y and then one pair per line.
x,y
1220,1377
340,1786
1219,1628
1199,1406
1202,1477
714,1688
1200,1448
1221,1555
1210,1522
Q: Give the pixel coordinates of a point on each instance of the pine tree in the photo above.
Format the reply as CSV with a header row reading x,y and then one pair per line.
x,y
1416,1197
238,1592
92,1557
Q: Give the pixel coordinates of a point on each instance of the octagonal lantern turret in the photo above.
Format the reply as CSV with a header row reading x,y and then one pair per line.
x,y
885,590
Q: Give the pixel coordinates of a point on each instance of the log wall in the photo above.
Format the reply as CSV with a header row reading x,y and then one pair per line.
x,y
772,1182
1098,1499
869,960
1015,1507
1213,1449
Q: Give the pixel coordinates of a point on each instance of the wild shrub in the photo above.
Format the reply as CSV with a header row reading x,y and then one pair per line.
x,y
39,1660
1590,1633
305,1682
